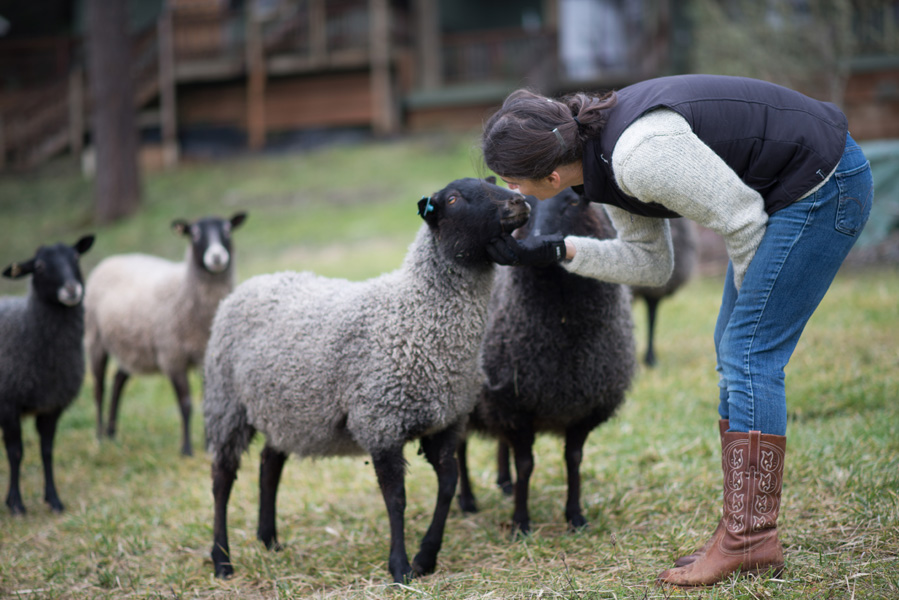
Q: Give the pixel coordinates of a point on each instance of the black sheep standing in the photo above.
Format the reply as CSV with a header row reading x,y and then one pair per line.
x,y
558,356
41,356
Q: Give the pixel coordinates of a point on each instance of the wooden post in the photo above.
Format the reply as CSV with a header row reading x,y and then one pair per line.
x,y
168,102
430,68
384,111
551,14
318,26
2,145
256,82
76,112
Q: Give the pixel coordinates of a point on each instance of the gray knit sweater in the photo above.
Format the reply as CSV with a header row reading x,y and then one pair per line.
x,y
659,159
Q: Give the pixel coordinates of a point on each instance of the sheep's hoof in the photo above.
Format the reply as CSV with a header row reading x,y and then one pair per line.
x,y
521,529
16,508
55,505
421,567
223,567
271,544
467,504
507,487
224,571
578,523
403,575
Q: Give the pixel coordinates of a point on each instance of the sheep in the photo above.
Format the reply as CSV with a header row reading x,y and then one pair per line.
x,y
326,367
684,240
558,357
41,356
153,315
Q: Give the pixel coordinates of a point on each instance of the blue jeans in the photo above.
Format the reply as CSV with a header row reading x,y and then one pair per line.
x,y
799,256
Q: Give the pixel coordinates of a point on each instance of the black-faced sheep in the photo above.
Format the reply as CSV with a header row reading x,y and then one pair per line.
x,y
558,356
326,367
684,241
41,356
153,315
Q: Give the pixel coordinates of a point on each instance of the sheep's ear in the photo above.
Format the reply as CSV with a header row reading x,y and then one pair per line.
x,y
490,179
84,244
181,227
427,210
17,270
237,219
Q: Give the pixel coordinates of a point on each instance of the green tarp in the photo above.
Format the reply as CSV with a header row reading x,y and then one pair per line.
x,y
884,158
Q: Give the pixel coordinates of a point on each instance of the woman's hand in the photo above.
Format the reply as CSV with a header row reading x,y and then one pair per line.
x,y
535,251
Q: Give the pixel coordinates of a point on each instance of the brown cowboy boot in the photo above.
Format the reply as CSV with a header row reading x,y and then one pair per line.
x,y
723,426
753,478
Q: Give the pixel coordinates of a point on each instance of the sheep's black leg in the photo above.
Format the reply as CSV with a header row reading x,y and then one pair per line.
x,y
466,496
118,384
224,472
12,438
522,446
390,467
182,391
503,472
440,450
46,428
575,437
652,305
271,465
98,361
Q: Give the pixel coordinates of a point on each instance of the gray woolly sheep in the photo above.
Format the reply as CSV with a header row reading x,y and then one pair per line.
x,y
684,240
153,315
41,356
326,367
558,357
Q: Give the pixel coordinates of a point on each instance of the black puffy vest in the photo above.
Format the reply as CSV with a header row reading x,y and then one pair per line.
x,y
778,141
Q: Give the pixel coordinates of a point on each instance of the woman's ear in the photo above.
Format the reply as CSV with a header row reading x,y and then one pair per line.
x,y
555,180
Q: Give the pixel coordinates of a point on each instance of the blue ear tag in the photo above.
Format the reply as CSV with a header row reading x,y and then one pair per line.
x,y
427,208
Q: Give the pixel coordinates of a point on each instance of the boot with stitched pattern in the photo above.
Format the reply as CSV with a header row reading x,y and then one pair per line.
x,y
753,480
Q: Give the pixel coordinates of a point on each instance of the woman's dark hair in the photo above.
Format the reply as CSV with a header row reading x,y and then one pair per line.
x,y
531,135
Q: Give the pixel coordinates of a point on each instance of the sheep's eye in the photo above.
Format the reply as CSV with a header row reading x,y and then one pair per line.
x,y
451,200
39,266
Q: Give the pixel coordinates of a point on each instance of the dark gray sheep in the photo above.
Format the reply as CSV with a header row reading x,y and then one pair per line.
x,y
326,367
153,315
684,240
41,356
558,356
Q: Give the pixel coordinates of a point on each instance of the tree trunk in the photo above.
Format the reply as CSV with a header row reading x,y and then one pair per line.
x,y
117,180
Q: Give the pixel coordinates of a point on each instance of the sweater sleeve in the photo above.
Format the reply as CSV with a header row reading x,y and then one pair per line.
x,y
641,254
659,159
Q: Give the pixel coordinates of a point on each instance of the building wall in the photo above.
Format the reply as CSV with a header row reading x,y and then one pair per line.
x,y
327,100
872,103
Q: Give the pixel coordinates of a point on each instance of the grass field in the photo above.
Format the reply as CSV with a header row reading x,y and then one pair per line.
x,y
138,522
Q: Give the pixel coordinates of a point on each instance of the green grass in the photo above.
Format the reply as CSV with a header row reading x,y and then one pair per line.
x,y
139,517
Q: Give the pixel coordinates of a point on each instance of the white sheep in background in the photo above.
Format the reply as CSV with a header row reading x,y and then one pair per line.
x,y
326,367
153,315
41,356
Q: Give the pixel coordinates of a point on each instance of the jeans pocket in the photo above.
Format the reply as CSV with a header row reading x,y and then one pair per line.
x,y
856,188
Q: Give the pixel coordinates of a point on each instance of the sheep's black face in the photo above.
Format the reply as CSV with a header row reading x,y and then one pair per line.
x,y
211,240
56,275
470,212
559,214
566,213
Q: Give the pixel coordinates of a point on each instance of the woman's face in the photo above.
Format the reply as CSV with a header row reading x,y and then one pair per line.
x,y
539,188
